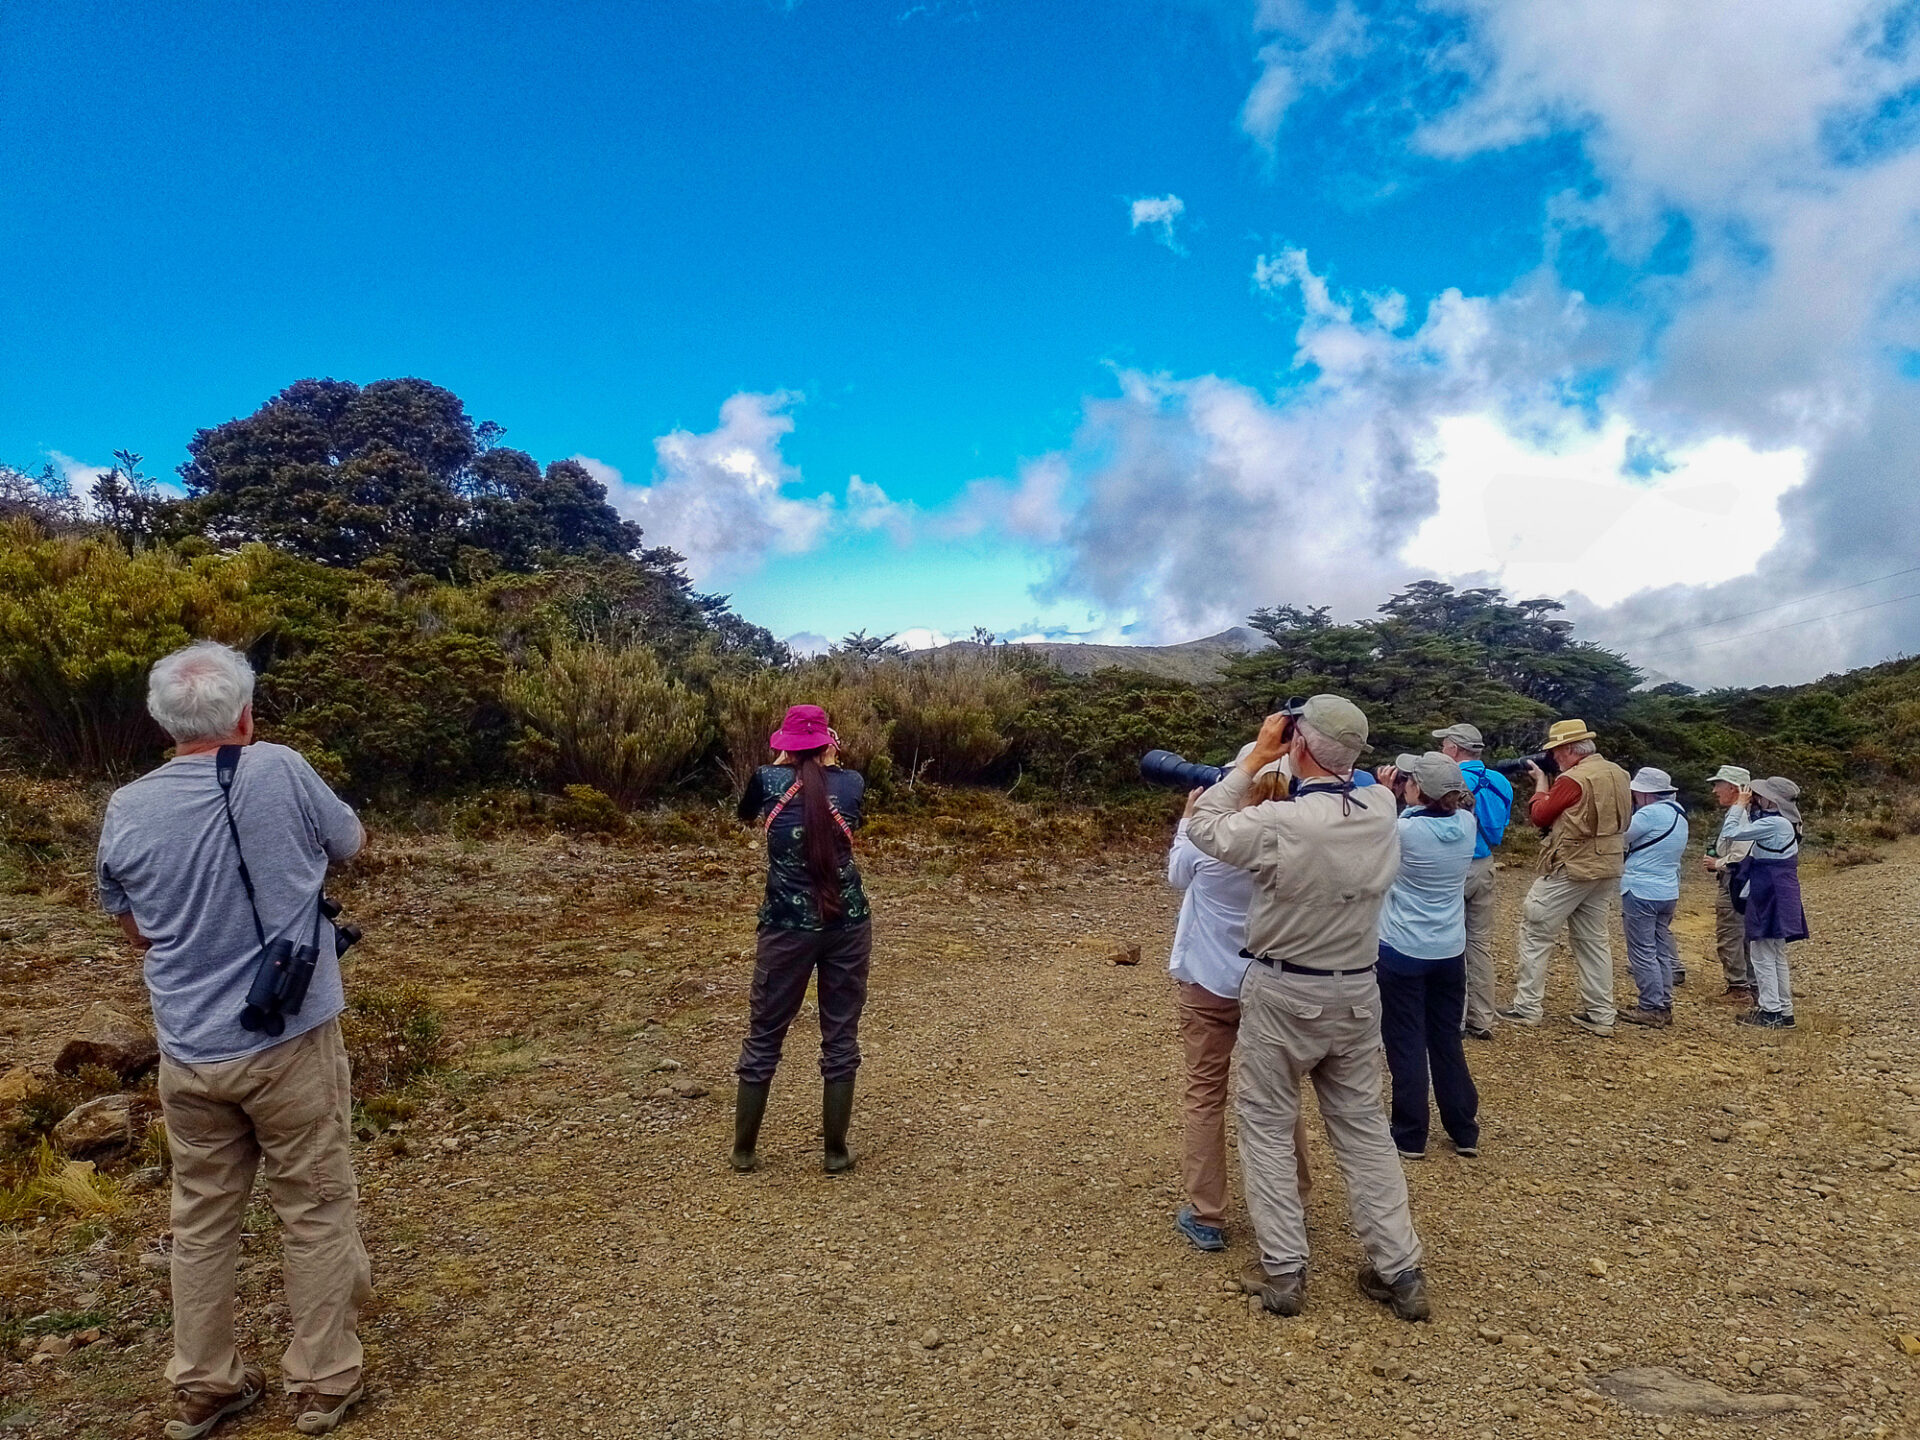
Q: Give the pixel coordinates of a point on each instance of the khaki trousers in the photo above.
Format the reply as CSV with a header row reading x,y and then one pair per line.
x,y
1480,984
287,1106
1730,935
1326,1027
1583,907
1209,1025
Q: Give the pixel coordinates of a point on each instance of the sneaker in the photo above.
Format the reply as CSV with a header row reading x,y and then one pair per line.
x,y
1735,995
1405,1294
1648,1015
1765,1019
1284,1294
1413,1154
1202,1237
1679,974
1466,1152
195,1412
1592,1026
1755,1016
1781,1020
319,1414
1477,1032
1517,1017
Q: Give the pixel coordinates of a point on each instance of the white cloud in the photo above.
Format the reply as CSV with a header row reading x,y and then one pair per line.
x,y
79,475
1305,46
1156,214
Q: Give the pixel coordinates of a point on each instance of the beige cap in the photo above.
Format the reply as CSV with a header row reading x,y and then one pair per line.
x,y
1436,775
1337,718
1462,734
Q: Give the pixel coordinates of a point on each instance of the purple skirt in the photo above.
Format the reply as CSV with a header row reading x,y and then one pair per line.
x,y
1773,900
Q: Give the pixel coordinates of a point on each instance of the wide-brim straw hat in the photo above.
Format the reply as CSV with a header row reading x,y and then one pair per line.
x,y
1567,732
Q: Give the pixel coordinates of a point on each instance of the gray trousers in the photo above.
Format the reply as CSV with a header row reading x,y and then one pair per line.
x,y
1480,984
1773,985
1326,1027
1651,953
1730,936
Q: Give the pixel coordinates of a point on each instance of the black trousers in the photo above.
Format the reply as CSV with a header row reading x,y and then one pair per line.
x,y
784,960
1420,1027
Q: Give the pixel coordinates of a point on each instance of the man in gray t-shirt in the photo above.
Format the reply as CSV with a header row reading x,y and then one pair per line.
x,y
238,1101
168,860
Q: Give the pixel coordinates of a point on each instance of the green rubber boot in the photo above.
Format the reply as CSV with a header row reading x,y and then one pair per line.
x,y
749,1109
836,1114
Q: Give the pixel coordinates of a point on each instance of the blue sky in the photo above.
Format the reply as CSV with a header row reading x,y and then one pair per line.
x,y
911,227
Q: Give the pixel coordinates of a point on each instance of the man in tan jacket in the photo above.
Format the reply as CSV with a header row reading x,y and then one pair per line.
x,y
1585,813
1322,860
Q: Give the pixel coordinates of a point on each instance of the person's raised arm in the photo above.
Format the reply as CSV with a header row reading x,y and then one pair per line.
x,y
1183,860
1220,827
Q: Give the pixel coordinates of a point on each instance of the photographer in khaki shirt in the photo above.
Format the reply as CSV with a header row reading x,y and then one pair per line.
x,y
1322,860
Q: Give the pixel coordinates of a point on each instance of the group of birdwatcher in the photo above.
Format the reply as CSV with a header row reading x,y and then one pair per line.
x,y
1330,916
1327,913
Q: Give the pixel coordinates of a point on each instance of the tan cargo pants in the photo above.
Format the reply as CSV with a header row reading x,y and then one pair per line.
x,y
1209,1026
1326,1027
1584,908
1730,935
1481,1001
287,1106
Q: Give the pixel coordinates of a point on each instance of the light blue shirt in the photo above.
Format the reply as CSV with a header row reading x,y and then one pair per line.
x,y
1492,805
1425,915
1771,835
1212,929
1656,844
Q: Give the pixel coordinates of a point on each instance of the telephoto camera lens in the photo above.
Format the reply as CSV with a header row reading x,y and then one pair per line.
x,y
1176,772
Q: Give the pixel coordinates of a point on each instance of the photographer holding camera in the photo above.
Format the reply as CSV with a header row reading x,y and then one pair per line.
x,y
213,864
1492,807
1323,860
1585,812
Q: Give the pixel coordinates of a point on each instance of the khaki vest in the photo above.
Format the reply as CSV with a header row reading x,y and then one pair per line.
x,y
1589,840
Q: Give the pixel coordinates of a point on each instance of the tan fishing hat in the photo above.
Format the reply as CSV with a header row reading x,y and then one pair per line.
x,y
1736,775
1566,732
1337,718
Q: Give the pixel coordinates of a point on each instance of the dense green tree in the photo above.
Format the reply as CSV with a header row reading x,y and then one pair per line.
x,y
525,518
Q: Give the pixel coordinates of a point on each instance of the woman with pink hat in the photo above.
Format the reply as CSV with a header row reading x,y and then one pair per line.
x,y
815,918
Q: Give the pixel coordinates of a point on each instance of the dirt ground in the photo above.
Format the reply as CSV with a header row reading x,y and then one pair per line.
x,y
561,1249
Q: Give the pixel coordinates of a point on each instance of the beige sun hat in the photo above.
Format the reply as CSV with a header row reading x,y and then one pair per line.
x,y
1781,793
1650,780
1737,776
1567,732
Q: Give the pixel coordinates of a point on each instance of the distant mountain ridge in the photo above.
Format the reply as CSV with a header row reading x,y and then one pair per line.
x,y
1194,661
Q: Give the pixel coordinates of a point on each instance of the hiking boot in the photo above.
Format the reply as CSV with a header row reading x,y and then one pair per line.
x,y
1405,1294
1592,1026
1477,1032
1284,1294
1649,1016
1468,1151
318,1414
1517,1017
749,1109
195,1412
1200,1235
1751,1017
1765,1019
1735,995
836,1114
1679,974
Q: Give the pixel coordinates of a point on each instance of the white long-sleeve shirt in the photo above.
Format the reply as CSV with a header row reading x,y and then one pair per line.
x,y
1213,918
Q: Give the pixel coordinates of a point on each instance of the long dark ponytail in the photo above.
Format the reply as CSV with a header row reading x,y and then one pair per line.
x,y
826,847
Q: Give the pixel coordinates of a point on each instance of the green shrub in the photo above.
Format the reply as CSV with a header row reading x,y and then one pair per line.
x,y
748,708
949,715
81,621
393,1038
617,721
581,807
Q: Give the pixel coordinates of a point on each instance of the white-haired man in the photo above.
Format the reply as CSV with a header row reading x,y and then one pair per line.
x,y
1323,860
1492,808
1585,812
205,861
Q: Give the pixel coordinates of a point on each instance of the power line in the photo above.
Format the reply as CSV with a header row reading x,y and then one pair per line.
x,y
1791,624
1783,605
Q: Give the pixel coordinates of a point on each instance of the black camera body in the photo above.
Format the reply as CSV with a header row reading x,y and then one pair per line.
x,y
1518,765
1176,772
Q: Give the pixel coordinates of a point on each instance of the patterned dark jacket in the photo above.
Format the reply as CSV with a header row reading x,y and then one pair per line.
x,y
790,903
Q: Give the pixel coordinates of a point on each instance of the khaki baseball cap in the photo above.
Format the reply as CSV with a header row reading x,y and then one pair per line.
x,y
1337,718
1462,734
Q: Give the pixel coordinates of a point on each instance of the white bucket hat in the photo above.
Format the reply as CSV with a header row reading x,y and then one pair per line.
x,y
1736,775
1648,780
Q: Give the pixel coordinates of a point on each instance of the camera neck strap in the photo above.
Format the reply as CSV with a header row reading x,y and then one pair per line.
x,y
787,799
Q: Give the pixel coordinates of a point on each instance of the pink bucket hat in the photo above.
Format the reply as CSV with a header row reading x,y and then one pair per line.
x,y
805,728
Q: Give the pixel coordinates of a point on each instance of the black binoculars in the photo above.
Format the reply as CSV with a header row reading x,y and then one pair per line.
x,y
284,972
